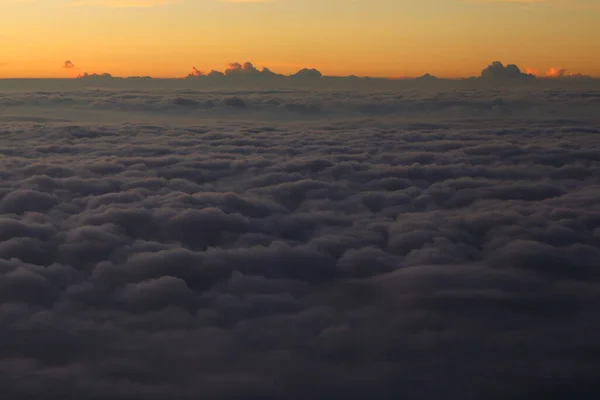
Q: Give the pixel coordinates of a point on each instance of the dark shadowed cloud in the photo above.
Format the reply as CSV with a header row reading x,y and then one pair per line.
x,y
237,75
497,71
95,76
248,70
308,73
300,244
195,73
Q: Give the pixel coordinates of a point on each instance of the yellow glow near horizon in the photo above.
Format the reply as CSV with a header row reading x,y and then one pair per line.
x,y
390,38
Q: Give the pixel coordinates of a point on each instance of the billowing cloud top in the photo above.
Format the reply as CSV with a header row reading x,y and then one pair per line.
x,y
563,73
94,76
195,73
308,73
497,71
300,244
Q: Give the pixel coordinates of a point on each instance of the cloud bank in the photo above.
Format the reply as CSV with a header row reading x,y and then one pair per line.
x,y
237,73
418,244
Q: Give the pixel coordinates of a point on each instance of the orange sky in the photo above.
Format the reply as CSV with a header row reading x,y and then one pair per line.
x,y
392,38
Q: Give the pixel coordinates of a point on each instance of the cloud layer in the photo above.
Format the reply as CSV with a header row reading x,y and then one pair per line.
x,y
423,244
236,73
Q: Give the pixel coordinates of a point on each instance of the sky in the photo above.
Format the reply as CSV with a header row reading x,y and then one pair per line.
x,y
387,38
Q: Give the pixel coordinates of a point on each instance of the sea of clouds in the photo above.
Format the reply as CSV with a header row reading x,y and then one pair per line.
x,y
300,244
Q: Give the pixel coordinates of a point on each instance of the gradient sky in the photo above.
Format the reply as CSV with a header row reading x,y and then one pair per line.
x,y
364,37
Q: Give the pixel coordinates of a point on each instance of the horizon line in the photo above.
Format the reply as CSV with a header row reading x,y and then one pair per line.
x,y
247,70
365,77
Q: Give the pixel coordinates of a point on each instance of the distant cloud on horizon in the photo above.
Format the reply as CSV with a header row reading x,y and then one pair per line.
x,y
494,71
195,72
497,70
554,72
563,73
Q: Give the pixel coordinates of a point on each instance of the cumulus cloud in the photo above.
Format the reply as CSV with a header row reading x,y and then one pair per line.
x,y
235,70
497,71
308,73
563,73
247,70
195,73
556,73
68,65
215,74
246,73
423,243
94,76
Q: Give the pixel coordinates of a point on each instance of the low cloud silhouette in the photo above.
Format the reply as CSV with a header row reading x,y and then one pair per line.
x,y
248,70
246,75
563,73
427,78
68,65
94,76
497,71
237,68
195,73
307,73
